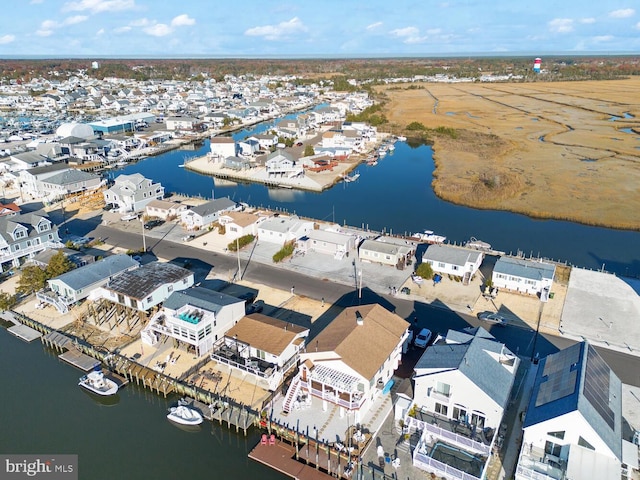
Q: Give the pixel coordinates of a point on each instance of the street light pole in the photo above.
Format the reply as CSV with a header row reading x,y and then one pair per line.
x,y
535,337
238,252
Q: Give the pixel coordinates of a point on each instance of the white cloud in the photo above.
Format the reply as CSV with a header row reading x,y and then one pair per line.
x,y
33,2
141,22
182,20
405,32
561,25
374,25
158,30
7,39
100,32
75,19
97,6
276,32
638,26
587,20
603,38
622,13
124,29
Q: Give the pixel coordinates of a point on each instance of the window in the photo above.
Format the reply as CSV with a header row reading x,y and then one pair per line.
x,y
149,299
559,435
583,443
443,389
441,265
460,413
552,448
170,288
441,409
455,267
477,419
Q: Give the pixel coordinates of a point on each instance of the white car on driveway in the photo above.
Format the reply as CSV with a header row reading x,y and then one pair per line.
x,y
491,317
129,216
423,337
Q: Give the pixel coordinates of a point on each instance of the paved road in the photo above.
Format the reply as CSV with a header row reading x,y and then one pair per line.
x,y
438,319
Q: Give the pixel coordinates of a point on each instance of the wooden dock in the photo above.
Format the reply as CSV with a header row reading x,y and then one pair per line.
x,y
23,332
280,457
79,360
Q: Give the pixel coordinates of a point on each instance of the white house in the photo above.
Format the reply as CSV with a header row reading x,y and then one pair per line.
x,y
451,260
222,147
263,347
282,164
147,286
248,147
23,235
202,216
66,182
520,275
196,317
239,224
281,230
164,209
328,242
132,193
78,284
386,251
350,361
573,424
184,123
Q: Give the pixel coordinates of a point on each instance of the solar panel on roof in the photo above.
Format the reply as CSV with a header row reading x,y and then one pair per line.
x,y
558,385
561,360
596,386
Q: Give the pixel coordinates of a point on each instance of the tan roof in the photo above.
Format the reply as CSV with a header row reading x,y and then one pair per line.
x,y
162,204
265,333
242,219
222,140
362,347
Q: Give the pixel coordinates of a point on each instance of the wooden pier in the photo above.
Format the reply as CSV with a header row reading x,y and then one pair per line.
x,y
280,457
23,332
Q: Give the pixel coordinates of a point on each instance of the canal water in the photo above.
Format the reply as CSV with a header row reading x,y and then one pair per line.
x,y
396,196
44,411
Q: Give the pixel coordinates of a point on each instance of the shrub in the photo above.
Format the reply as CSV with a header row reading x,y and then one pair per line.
x,y
240,242
416,126
425,271
284,252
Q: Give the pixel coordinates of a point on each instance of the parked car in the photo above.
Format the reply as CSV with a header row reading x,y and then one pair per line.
x,y
255,307
491,317
423,338
129,216
188,238
152,224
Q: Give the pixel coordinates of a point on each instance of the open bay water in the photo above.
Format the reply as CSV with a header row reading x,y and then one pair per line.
x,y
396,196
44,411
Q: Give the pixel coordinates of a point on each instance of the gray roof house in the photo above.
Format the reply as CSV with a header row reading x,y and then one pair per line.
x,y
464,382
78,284
147,286
281,229
451,260
197,317
522,275
68,181
132,193
26,234
204,215
573,424
386,251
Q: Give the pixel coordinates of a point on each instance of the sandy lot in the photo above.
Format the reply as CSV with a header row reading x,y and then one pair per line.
x,y
546,149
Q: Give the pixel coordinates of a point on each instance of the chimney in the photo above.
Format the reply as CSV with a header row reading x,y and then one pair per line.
x,y
359,319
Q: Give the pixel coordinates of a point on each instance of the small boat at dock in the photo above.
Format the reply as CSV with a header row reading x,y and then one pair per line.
x,y
351,178
184,415
477,244
400,138
429,237
97,383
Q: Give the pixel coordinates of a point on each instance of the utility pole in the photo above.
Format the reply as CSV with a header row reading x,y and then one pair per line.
x,y
144,239
238,252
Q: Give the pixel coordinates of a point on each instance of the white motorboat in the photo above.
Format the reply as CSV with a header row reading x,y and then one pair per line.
x,y
429,237
401,138
351,178
478,244
97,383
184,415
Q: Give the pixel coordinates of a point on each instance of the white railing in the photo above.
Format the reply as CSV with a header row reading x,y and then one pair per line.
x,y
451,438
53,299
294,388
528,473
334,398
424,462
23,252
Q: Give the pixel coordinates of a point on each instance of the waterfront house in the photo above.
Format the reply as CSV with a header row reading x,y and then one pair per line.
x,y
132,193
184,123
239,224
262,347
164,209
248,147
202,216
462,386
29,180
328,242
386,251
196,317
238,163
78,284
147,286
573,424
222,147
25,234
27,160
533,277
66,182
351,361
267,141
281,230
451,260
282,164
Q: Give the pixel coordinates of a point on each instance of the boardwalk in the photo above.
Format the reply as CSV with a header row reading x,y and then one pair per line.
x,y
280,457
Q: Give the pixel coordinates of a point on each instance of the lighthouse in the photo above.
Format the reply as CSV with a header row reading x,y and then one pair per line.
x,y
536,65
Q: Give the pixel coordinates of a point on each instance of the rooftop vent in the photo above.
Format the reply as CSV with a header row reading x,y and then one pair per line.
x,y
359,319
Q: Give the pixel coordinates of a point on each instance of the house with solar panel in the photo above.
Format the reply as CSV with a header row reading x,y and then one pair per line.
x,y
462,386
196,318
573,423
532,277
147,286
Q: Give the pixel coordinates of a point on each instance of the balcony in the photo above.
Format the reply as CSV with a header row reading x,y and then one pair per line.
x,y
535,464
6,256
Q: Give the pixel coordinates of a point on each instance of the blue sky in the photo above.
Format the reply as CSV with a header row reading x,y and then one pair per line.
x,y
255,28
